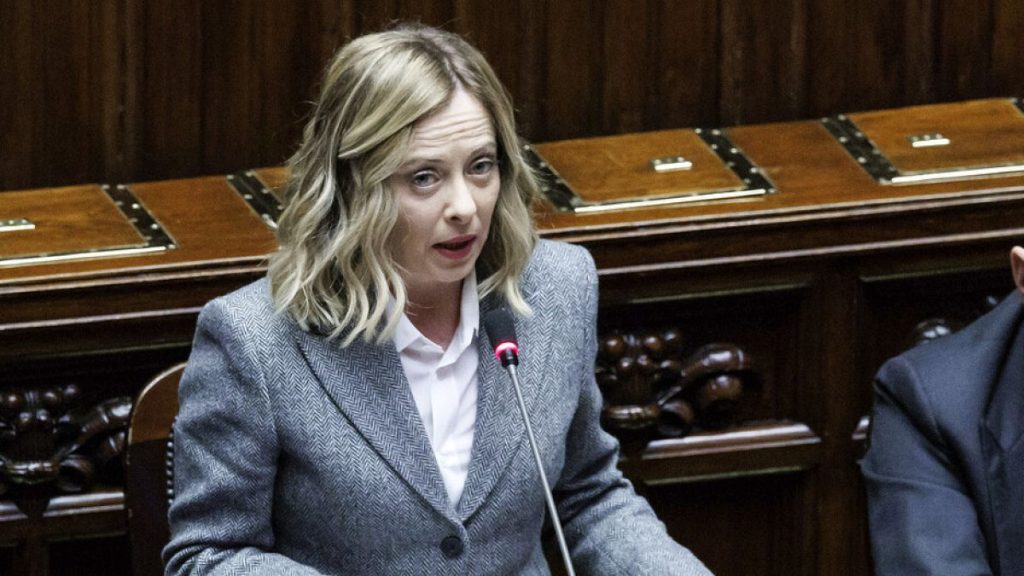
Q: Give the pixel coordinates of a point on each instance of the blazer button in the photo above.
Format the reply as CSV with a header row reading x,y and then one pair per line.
x,y
451,547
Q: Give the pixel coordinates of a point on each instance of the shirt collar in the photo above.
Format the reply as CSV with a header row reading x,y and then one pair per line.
x,y
406,334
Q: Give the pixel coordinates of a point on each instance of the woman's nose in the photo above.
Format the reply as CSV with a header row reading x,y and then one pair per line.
x,y
461,205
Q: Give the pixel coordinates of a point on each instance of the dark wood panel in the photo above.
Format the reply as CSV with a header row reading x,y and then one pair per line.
x,y
918,60
378,15
626,63
245,116
572,69
94,557
1007,72
840,402
763,60
165,46
713,536
60,91
127,91
684,76
7,559
964,48
858,53
82,535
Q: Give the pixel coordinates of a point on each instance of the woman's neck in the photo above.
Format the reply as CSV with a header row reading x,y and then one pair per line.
x,y
436,313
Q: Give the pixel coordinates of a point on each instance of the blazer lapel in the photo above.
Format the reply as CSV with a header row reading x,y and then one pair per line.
x,y
500,431
1003,443
367,384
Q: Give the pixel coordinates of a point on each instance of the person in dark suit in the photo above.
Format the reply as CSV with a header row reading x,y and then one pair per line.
x,y
344,415
945,467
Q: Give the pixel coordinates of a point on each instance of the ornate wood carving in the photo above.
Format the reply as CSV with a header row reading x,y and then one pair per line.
x,y
51,445
653,389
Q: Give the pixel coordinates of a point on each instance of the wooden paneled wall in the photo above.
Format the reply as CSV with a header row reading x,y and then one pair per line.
x,y
130,90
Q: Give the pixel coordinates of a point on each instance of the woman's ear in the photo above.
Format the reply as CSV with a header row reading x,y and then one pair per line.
x,y
1017,265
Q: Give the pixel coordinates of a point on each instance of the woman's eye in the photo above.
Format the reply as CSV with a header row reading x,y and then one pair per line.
x,y
482,166
424,179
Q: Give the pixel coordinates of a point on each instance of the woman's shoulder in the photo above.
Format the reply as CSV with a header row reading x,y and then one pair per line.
x,y
247,308
558,272
552,257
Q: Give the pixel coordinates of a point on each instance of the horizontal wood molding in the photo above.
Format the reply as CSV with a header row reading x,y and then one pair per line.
x,y
751,449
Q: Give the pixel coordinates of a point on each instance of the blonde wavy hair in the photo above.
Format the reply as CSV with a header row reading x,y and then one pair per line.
x,y
334,271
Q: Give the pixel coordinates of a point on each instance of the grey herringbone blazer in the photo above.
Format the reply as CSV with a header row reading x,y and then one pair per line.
x,y
294,455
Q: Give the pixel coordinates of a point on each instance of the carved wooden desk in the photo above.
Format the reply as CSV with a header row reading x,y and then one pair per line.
x,y
739,336
81,332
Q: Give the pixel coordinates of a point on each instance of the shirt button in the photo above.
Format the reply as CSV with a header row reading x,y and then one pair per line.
x,y
451,547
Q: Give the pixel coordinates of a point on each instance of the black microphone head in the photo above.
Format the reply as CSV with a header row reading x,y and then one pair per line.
x,y
501,331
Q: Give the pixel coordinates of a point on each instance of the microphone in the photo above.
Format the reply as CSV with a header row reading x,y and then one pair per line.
x,y
501,332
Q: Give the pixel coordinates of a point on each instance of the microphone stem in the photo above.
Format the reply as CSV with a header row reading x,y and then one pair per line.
x,y
540,469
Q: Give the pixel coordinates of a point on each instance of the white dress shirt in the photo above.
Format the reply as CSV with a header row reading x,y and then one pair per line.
x,y
444,386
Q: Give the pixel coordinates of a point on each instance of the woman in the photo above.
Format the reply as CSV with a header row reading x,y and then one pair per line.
x,y
343,415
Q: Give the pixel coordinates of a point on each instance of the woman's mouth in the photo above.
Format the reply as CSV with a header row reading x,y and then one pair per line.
x,y
456,248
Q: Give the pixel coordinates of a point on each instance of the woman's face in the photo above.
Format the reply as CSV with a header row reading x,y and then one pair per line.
x,y
447,186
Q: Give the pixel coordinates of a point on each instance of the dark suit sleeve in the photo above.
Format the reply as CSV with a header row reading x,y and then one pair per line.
x,y
921,515
608,527
225,459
